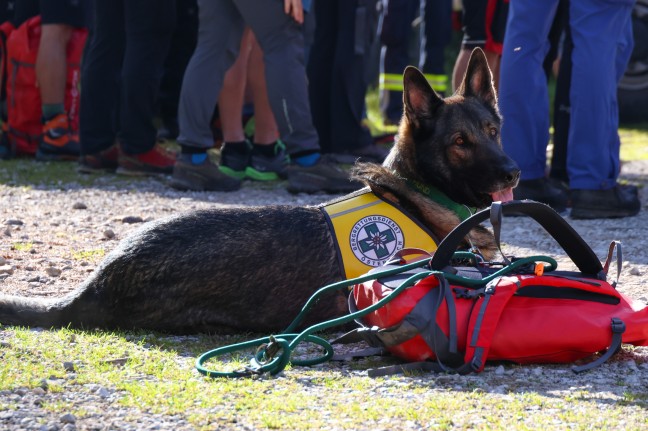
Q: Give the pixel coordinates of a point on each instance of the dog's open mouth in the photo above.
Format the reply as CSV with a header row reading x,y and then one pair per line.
x,y
504,195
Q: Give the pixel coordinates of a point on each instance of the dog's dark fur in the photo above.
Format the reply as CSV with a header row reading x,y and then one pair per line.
x,y
254,268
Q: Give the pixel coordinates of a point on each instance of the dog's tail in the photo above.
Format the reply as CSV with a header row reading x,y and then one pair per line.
x,y
24,311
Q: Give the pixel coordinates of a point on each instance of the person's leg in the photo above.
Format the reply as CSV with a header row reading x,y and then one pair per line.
x,y
51,64
436,35
320,69
562,105
282,41
58,21
523,96
265,126
220,29
236,149
394,36
183,43
597,27
149,25
472,16
599,32
349,86
268,158
100,78
524,99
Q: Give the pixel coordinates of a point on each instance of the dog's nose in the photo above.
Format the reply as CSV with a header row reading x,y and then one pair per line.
x,y
512,176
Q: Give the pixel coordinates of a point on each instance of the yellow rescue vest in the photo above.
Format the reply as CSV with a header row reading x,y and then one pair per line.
x,y
368,231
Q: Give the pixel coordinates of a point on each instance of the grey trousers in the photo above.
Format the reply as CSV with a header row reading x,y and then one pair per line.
x,y
221,25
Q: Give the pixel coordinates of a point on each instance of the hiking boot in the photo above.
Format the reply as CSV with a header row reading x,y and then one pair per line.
x,y
264,168
57,141
234,162
542,190
371,153
103,161
324,176
205,176
619,201
156,161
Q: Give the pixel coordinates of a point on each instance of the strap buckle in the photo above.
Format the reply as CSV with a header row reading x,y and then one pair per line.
x,y
618,326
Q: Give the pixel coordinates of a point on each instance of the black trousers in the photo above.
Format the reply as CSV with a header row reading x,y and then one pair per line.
x,y
122,71
336,77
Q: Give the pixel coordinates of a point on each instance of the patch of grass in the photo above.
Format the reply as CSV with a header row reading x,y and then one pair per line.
x,y
89,255
22,246
634,143
156,375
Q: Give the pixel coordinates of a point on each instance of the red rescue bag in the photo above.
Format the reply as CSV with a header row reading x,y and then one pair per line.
x,y
22,94
460,317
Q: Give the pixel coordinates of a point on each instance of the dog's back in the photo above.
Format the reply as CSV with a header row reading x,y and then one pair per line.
x,y
244,268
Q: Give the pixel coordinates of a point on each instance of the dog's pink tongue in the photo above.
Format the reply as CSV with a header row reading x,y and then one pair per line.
x,y
503,195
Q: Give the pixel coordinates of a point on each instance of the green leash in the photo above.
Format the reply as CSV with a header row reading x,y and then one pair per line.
x,y
274,352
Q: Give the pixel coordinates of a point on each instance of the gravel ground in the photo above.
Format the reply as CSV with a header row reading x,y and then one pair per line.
x,y
51,237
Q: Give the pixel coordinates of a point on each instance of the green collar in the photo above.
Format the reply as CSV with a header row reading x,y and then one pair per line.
x,y
462,211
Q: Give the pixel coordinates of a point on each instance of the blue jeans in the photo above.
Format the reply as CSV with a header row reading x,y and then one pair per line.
x,y
601,32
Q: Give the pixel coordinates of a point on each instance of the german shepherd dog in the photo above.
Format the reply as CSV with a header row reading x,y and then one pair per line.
x,y
253,268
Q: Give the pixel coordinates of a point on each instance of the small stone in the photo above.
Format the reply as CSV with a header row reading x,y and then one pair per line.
x,y
3,261
132,219
68,418
38,391
103,392
499,370
109,233
68,366
79,206
635,271
22,391
53,271
14,222
69,427
6,269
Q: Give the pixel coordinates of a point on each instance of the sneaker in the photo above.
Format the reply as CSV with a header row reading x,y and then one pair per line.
x,y
57,141
542,190
263,168
234,163
619,201
103,161
324,176
205,176
157,160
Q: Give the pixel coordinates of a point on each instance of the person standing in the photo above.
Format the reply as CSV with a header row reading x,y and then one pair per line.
x,y
120,80
601,35
277,28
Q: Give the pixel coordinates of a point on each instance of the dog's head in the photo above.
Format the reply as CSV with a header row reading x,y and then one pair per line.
x,y
454,143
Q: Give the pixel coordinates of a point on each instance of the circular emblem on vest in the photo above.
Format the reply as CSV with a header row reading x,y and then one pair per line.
x,y
374,239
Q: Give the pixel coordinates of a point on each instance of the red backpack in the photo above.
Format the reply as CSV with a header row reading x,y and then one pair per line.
x,y
23,124
458,316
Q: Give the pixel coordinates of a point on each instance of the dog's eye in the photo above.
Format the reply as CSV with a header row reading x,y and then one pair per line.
x,y
493,132
459,140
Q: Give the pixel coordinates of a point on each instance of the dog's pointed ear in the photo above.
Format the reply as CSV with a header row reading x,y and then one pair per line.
x,y
478,81
419,99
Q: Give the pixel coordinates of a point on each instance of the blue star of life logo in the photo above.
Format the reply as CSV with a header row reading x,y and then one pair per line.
x,y
374,239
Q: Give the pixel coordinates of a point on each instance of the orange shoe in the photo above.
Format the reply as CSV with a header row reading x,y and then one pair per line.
x,y
57,141
157,160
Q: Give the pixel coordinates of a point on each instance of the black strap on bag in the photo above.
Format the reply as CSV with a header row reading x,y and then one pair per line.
x,y
575,247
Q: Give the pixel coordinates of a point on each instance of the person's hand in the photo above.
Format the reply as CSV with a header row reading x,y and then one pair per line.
x,y
295,9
